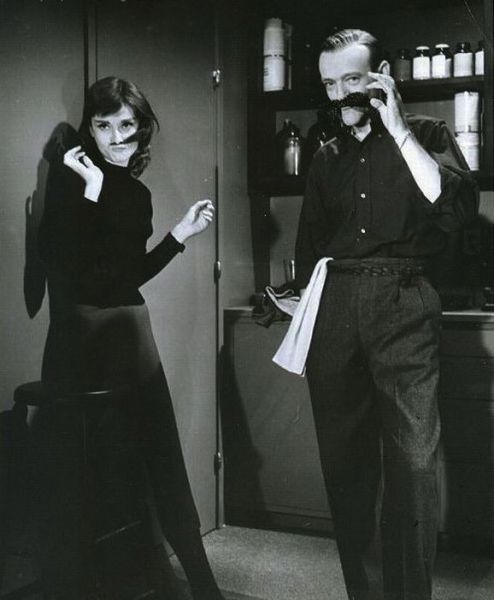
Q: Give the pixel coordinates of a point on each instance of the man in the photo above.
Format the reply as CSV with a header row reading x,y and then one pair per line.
x,y
381,198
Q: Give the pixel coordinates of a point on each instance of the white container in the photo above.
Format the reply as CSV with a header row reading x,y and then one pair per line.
x,y
274,73
479,62
467,112
463,60
469,144
421,64
441,62
274,38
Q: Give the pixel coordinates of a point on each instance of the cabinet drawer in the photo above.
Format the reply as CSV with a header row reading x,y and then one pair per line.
x,y
467,431
467,378
467,500
471,341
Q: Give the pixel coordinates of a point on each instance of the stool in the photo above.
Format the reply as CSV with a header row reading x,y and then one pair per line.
x,y
109,543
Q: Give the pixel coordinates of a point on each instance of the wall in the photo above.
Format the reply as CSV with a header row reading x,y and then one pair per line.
x,y
41,70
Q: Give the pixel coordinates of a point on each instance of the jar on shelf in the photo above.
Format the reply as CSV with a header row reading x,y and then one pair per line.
x,y
274,71
441,62
421,65
463,60
402,65
479,59
467,112
274,38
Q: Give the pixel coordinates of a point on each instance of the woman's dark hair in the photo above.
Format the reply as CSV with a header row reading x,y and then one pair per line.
x,y
107,96
347,37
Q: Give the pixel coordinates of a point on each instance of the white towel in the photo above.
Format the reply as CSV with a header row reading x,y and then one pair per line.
x,y
292,353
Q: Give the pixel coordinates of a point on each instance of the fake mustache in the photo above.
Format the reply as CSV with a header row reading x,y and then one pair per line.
x,y
135,137
357,99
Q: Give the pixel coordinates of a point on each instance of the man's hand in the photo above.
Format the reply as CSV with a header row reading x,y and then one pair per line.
x,y
77,160
392,112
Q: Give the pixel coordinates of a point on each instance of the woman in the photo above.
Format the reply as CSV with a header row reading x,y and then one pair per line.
x,y
92,239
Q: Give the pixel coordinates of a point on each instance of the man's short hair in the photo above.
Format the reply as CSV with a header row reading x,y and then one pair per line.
x,y
347,37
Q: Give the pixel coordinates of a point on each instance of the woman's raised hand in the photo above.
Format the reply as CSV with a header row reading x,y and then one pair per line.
x,y
195,220
77,160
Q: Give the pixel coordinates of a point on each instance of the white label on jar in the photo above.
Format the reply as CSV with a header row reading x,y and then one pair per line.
x,y
469,144
439,66
274,73
479,62
467,111
421,67
463,64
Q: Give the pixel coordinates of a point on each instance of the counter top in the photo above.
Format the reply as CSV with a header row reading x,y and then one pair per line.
x,y
473,315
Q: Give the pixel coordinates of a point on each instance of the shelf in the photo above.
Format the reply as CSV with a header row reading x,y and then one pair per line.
x,y
411,91
438,89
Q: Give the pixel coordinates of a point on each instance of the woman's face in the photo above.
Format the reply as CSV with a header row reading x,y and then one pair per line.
x,y
111,131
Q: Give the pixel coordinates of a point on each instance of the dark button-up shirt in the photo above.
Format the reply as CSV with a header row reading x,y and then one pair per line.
x,y
361,199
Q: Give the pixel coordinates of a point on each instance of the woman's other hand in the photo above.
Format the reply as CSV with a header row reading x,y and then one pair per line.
x,y
77,160
195,221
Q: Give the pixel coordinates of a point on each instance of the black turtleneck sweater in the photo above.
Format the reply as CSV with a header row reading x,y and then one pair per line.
x,y
96,251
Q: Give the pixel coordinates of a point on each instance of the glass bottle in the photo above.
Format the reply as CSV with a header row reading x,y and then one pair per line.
x,y
402,65
463,60
421,66
441,61
289,148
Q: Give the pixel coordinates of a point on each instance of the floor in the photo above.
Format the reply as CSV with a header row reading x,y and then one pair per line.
x,y
254,564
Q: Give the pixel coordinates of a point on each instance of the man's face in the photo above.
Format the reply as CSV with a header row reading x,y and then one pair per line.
x,y
343,72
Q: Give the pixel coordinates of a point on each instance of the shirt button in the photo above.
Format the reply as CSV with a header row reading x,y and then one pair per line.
x,y
363,230
362,160
362,195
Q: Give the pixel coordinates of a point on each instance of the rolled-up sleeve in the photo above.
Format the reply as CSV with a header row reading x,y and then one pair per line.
x,y
458,201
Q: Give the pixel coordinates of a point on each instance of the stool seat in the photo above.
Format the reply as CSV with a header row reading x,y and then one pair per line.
x,y
38,393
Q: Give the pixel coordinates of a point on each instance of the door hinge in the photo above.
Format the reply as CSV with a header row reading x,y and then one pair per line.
x,y
217,270
218,462
216,76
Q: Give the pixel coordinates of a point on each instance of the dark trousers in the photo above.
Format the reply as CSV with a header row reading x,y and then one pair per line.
x,y
373,374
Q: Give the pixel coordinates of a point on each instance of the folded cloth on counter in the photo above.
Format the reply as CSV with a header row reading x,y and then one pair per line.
x,y
292,353
279,304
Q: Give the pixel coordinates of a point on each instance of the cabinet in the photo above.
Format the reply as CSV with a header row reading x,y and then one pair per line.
x,y
466,458
397,25
272,471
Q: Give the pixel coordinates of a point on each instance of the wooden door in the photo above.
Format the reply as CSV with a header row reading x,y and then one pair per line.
x,y
168,49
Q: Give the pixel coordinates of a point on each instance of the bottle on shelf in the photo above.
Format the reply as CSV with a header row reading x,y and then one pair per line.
x,y
402,65
467,126
289,144
441,62
467,112
421,65
479,59
274,56
463,60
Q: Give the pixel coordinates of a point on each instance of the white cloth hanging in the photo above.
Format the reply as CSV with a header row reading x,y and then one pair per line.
x,y
293,350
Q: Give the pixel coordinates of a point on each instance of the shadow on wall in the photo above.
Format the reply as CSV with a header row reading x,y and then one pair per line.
x,y
64,136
